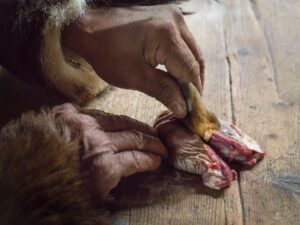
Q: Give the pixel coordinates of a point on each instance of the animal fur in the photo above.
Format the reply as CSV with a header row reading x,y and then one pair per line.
x,y
40,179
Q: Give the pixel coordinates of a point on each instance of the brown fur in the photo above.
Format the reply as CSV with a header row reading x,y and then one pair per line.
x,y
40,181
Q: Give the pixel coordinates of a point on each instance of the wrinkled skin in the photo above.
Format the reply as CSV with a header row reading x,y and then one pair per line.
x,y
189,153
124,46
112,146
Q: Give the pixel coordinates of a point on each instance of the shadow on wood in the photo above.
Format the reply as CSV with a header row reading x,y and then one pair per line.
x,y
154,187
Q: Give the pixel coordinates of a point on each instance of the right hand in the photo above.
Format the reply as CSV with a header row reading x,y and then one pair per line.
x,y
112,146
124,46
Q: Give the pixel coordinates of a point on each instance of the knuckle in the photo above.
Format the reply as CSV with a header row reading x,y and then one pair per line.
x,y
166,28
108,146
107,143
165,90
96,142
103,164
64,108
70,119
68,107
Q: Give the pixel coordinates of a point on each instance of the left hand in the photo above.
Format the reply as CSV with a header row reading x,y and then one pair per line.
x,y
112,146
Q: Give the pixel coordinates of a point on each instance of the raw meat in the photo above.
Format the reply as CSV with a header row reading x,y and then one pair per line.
x,y
234,145
223,137
189,153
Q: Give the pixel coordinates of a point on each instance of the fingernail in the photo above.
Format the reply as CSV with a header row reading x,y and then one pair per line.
x,y
179,109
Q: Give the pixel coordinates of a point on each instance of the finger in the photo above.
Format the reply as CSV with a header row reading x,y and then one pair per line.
x,y
163,114
74,119
106,170
166,124
180,61
179,132
164,117
164,88
131,162
65,108
181,141
191,42
111,122
104,173
128,140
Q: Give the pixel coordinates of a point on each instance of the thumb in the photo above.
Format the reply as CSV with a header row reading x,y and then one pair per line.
x,y
164,88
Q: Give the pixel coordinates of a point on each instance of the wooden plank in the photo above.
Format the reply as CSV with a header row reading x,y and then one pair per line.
x,y
208,28
280,23
270,192
183,207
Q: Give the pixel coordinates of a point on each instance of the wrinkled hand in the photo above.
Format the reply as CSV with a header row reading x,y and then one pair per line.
x,y
179,139
113,146
124,45
189,153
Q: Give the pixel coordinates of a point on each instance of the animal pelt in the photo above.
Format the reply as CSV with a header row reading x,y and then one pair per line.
x,y
40,179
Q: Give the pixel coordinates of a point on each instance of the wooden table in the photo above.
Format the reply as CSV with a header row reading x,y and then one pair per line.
x,y
252,54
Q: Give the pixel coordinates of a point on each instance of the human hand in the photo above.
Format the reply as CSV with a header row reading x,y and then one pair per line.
x,y
189,153
124,45
112,146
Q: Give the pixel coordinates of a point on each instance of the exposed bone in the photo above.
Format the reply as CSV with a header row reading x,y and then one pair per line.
x,y
225,138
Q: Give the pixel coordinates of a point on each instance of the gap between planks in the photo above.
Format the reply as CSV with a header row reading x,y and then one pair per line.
x,y
232,109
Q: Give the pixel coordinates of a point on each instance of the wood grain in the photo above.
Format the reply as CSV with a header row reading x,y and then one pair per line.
x,y
251,80
269,191
252,56
279,22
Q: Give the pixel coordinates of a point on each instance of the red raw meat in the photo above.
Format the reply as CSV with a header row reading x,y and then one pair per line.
x,y
234,145
189,153
223,137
